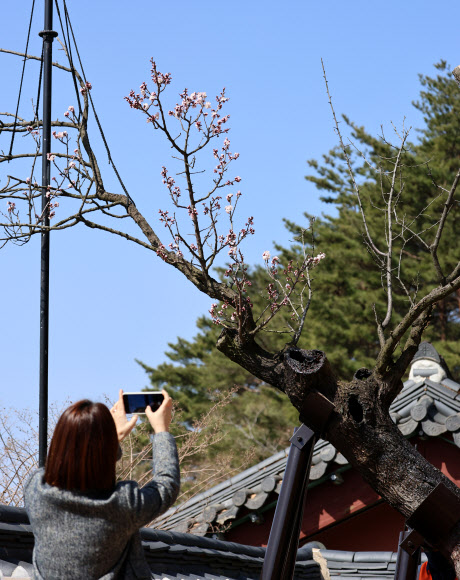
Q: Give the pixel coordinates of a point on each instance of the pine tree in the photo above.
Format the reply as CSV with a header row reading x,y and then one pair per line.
x,y
351,284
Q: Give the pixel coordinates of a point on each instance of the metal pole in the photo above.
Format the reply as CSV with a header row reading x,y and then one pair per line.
x,y
283,542
291,554
406,564
48,36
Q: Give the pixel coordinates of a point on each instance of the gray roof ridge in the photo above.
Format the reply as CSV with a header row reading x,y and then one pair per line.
x,y
173,540
178,538
13,514
360,556
228,482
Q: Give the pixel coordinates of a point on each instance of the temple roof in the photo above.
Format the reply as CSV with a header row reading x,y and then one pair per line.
x,y
171,556
176,556
428,405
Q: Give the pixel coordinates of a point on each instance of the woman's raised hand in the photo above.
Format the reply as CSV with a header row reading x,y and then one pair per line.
x,y
123,426
161,418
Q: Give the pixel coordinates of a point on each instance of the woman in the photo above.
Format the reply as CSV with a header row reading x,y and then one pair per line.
x,y
86,526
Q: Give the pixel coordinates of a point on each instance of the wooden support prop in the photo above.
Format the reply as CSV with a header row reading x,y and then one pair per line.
x,y
315,412
435,517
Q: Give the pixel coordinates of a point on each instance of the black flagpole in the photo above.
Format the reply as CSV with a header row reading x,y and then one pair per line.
x,y
48,35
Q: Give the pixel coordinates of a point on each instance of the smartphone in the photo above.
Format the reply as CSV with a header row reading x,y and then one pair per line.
x,y
137,402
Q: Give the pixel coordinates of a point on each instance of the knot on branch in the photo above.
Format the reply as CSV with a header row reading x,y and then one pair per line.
x,y
304,362
362,374
310,385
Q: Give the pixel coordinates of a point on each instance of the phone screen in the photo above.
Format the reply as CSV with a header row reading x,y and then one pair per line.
x,y
137,402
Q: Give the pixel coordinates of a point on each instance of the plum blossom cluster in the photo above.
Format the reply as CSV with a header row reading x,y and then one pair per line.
x,y
230,314
60,135
70,113
32,192
162,252
166,219
88,86
12,215
225,157
33,131
62,180
52,204
289,287
233,240
193,109
192,101
199,121
174,190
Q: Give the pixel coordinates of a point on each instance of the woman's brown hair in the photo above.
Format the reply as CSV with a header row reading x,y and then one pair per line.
x,y
83,450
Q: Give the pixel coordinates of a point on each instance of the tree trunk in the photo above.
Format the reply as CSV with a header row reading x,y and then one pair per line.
x,y
357,423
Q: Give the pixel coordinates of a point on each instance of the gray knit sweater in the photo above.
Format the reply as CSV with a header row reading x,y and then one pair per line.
x,y
96,537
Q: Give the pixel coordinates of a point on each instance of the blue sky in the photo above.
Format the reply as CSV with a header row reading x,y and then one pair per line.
x,y
112,302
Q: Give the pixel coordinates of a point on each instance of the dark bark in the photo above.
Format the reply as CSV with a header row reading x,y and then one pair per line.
x,y
359,426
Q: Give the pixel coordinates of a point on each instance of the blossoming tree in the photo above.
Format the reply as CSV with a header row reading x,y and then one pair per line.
x,y
200,223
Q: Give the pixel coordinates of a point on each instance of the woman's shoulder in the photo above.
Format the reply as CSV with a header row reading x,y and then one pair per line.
x,y
33,490
35,479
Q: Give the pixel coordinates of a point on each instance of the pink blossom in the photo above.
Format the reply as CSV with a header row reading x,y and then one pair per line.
x,y
72,165
316,260
71,109
266,255
28,180
228,208
207,105
192,212
66,114
50,157
229,197
86,88
237,179
10,206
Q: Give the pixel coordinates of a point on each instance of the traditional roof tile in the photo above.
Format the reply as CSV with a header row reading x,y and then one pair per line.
x,y
170,555
175,556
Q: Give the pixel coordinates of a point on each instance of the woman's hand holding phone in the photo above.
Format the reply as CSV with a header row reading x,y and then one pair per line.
x,y
161,418
123,426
